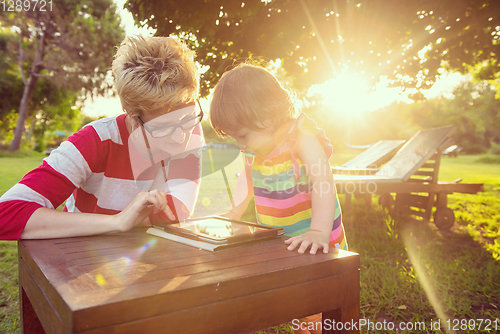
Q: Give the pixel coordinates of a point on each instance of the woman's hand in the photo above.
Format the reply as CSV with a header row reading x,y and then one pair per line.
x,y
315,239
145,203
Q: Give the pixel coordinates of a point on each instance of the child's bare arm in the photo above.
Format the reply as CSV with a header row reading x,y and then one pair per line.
x,y
317,166
242,194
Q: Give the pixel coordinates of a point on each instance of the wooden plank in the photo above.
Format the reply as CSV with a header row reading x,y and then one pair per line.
x,y
130,236
177,258
238,315
111,307
418,201
430,165
47,315
417,213
441,199
410,187
64,274
340,170
418,180
347,315
133,251
154,255
424,173
175,268
30,323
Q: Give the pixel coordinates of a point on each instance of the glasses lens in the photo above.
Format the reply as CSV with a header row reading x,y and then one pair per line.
x,y
189,124
162,132
186,125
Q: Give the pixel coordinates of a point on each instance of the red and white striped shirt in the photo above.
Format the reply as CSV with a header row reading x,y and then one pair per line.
x,y
92,172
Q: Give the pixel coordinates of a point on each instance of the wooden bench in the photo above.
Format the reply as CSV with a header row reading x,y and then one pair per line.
x,y
370,160
412,175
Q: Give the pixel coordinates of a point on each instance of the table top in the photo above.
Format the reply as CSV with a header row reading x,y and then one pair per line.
x,y
101,280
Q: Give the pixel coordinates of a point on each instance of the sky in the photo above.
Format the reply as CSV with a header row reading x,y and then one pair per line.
x,y
347,93
108,107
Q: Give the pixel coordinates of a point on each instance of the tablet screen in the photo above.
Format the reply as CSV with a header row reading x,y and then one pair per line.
x,y
219,229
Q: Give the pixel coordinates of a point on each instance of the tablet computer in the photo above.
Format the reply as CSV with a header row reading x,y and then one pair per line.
x,y
220,230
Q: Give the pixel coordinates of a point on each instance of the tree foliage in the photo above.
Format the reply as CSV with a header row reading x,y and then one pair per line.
x,y
70,45
46,98
408,40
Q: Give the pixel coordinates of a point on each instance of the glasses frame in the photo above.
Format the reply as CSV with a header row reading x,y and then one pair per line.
x,y
173,127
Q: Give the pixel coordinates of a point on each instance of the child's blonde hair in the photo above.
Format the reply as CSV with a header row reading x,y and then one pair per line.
x,y
154,72
247,96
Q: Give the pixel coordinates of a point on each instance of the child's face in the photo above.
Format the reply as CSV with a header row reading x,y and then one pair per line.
x,y
260,142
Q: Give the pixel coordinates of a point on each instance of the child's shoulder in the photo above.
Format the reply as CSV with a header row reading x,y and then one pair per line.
x,y
308,133
305,127
305,132
305,124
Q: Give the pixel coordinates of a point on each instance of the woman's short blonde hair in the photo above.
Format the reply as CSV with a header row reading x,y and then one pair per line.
x,y
248,96
154,72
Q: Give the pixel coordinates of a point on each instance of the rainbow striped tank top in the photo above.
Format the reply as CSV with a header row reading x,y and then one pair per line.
x,y
282,188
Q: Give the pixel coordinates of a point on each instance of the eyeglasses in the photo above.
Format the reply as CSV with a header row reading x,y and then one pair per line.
x,y
184,125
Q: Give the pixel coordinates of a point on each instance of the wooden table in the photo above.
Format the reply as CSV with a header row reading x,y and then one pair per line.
x,y
137,283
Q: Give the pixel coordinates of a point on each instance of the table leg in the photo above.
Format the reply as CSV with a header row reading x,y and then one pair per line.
x,y
29,320
343,320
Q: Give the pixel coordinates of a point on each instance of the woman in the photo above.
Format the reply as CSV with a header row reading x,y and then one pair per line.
x,y
116,172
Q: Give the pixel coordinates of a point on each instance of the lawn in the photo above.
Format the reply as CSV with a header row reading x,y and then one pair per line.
x,y
411,273
11,169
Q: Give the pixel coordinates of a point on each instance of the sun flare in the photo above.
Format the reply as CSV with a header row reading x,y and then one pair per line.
x,y
350,95
345,94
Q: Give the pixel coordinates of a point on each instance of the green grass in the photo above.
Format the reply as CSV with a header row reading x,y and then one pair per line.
x,y
9,288
410,271
12,170
477,215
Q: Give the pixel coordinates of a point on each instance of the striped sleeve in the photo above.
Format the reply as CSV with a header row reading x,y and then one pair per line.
x,y
50,184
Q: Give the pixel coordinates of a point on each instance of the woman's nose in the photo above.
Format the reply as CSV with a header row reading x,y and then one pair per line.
x,y
178,136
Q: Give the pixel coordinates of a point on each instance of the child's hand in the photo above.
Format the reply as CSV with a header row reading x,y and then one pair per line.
x,y
315,239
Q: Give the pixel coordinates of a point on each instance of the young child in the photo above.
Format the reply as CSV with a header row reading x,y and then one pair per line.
x,y
286,159
286,164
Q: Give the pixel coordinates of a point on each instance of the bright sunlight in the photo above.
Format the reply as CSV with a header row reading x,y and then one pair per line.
x,y
351,96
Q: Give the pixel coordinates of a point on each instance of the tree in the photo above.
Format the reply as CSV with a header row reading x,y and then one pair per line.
x,y
316,39
11,86
48,106
71,42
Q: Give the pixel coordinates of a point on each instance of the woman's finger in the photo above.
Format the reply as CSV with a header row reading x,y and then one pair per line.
x,y
169,213
159,200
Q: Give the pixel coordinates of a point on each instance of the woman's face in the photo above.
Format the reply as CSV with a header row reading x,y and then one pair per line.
x,y
167,134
